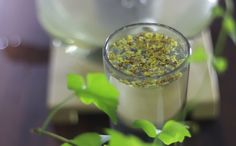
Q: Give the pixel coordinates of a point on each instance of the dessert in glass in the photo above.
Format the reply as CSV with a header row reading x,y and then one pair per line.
x,y
148,64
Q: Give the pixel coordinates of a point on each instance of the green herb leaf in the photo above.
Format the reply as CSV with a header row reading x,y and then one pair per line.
x,y
173,132
147,127
106,94
230,26
220,64
118,139
217,11
97,83
109,106
87,139
65,144
100,93
157,142
75,82
198,55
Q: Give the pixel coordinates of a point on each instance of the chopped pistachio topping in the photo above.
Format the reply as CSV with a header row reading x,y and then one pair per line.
x,y
147,54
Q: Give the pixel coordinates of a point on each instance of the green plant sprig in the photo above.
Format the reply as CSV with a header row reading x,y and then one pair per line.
x,y
172,131
95,90
41,131
54,111
228,28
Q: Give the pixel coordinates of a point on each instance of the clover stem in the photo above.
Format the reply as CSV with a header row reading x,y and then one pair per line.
x,y
54,111
221,39
41,131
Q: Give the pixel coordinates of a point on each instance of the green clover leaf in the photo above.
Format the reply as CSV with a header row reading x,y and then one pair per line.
x,y
97,83
173,132
229,23
220,64
217,11
75,82
97,91
198,55
118,139
147,127
230,26
87,139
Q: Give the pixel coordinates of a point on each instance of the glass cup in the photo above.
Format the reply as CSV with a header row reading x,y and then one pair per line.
x,y
156,98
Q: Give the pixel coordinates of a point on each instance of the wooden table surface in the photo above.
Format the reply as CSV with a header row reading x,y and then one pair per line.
x,y
23,88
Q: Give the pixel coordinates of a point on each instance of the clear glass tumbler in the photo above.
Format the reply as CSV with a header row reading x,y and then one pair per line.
x,y
157,97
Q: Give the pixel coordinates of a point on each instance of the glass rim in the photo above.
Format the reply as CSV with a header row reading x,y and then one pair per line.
x,y
105,50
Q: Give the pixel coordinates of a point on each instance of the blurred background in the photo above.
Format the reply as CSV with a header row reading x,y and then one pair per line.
x,y
43,40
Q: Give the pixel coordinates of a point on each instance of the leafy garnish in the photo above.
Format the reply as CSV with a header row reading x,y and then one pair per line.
x,y
217,11
147,127
230,26
119,139
75,82
98,84
198,55
87,139
220,64
173,132
97,91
